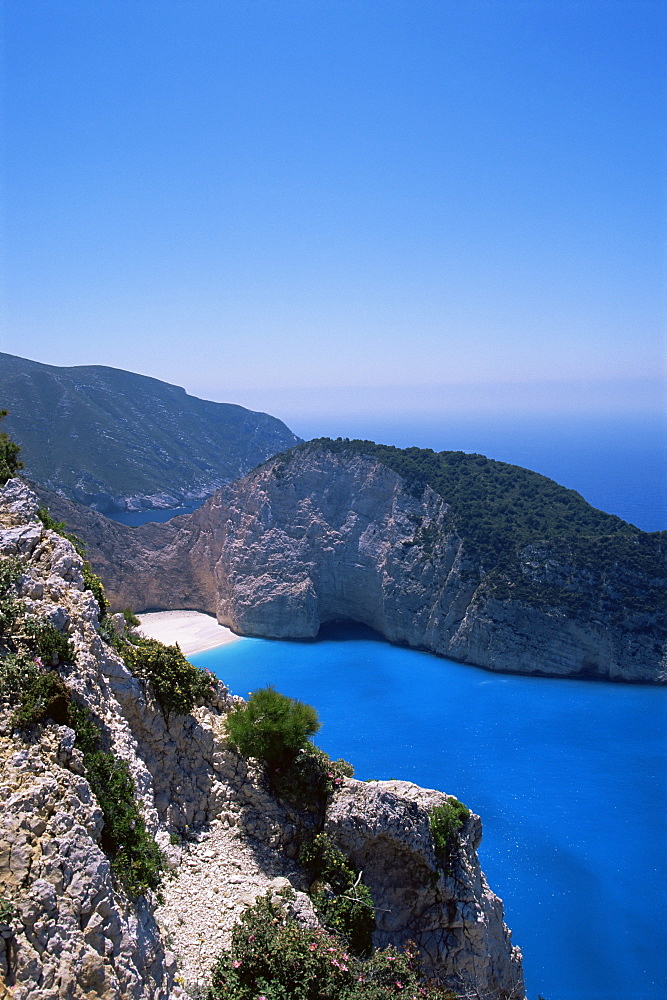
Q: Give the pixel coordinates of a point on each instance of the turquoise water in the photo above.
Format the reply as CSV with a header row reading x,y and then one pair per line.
x,y
568,776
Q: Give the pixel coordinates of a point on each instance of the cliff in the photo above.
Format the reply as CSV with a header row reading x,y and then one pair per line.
x,y
328,532
115,440
70,928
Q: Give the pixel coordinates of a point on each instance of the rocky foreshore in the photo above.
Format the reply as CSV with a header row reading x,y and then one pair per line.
x,y
71,931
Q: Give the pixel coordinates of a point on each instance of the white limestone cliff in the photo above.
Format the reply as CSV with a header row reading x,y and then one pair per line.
x,y
74,932
318,536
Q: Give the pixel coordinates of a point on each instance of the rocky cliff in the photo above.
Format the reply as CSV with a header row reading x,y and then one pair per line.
x,y
69,929
323,534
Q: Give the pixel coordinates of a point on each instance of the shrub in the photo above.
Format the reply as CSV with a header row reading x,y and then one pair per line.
x,y
131,619
43,697
42,638
7,911
136,860
10,606
272,728
93,583
446,821
9,455
324,862
310,778
344,904
177,683
274,958
18,671
10,571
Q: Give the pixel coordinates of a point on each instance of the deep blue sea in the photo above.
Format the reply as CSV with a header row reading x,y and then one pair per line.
x,y
568,776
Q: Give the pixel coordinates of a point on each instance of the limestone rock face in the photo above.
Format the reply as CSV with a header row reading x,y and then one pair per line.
x,y
71,932
318,536
454,918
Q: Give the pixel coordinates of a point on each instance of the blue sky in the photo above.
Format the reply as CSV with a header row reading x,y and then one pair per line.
x,y
365,206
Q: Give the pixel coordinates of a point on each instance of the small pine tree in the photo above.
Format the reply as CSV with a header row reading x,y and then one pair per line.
x,y
272,728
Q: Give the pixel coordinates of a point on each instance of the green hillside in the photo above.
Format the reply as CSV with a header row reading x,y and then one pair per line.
x,y
99,435
510,517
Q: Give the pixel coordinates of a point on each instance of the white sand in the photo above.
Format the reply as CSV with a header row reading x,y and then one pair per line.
x,y
192,630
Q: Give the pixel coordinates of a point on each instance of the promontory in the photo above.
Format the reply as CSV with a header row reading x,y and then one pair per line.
x,y
486,563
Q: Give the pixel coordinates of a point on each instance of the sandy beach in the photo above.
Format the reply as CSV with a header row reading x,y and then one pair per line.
x,y
192,630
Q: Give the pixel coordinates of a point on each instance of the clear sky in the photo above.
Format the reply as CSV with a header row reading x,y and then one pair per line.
x,y
308,206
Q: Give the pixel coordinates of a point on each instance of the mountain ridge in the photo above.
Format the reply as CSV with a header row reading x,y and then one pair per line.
x,y
115,440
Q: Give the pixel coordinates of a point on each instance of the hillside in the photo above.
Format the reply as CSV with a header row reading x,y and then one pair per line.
x,y
114,440
491,565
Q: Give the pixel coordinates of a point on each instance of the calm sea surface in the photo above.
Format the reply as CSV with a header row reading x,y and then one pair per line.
x,y
568,776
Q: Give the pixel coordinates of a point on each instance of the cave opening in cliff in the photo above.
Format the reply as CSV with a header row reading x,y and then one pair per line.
x,y
342,629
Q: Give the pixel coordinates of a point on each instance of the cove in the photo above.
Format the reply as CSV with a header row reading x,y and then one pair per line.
x,y
568,777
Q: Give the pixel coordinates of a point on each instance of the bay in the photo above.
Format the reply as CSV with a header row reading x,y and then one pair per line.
x,y
568,777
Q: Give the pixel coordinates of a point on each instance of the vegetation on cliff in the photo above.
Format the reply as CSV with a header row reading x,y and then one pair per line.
x,y
272,728
177,684
9,455
506,514
31,650
272,957
445,822
497,507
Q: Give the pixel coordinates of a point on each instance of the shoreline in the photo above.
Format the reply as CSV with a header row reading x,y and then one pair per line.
x,y
194,631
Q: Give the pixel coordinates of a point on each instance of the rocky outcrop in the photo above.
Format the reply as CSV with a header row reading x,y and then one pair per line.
x,y
69,930
383,827
317,536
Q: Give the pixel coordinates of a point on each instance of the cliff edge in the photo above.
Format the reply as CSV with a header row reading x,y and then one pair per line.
x,y
71,926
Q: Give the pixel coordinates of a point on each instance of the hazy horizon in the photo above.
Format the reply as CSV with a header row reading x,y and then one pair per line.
x,y
323,210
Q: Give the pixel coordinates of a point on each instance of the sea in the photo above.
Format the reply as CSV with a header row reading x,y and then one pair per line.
x,y
617,464
568,776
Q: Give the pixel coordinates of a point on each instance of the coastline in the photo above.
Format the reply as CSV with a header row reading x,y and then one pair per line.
x,y
192,630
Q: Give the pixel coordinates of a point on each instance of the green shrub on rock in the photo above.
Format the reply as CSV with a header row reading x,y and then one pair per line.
x,y
342,901
272,728
9,455
136,860
177,683
44,696
310,778
446,821
42,638
131,619
273,958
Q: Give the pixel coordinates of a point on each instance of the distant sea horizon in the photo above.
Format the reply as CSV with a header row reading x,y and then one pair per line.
x,y
618,464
